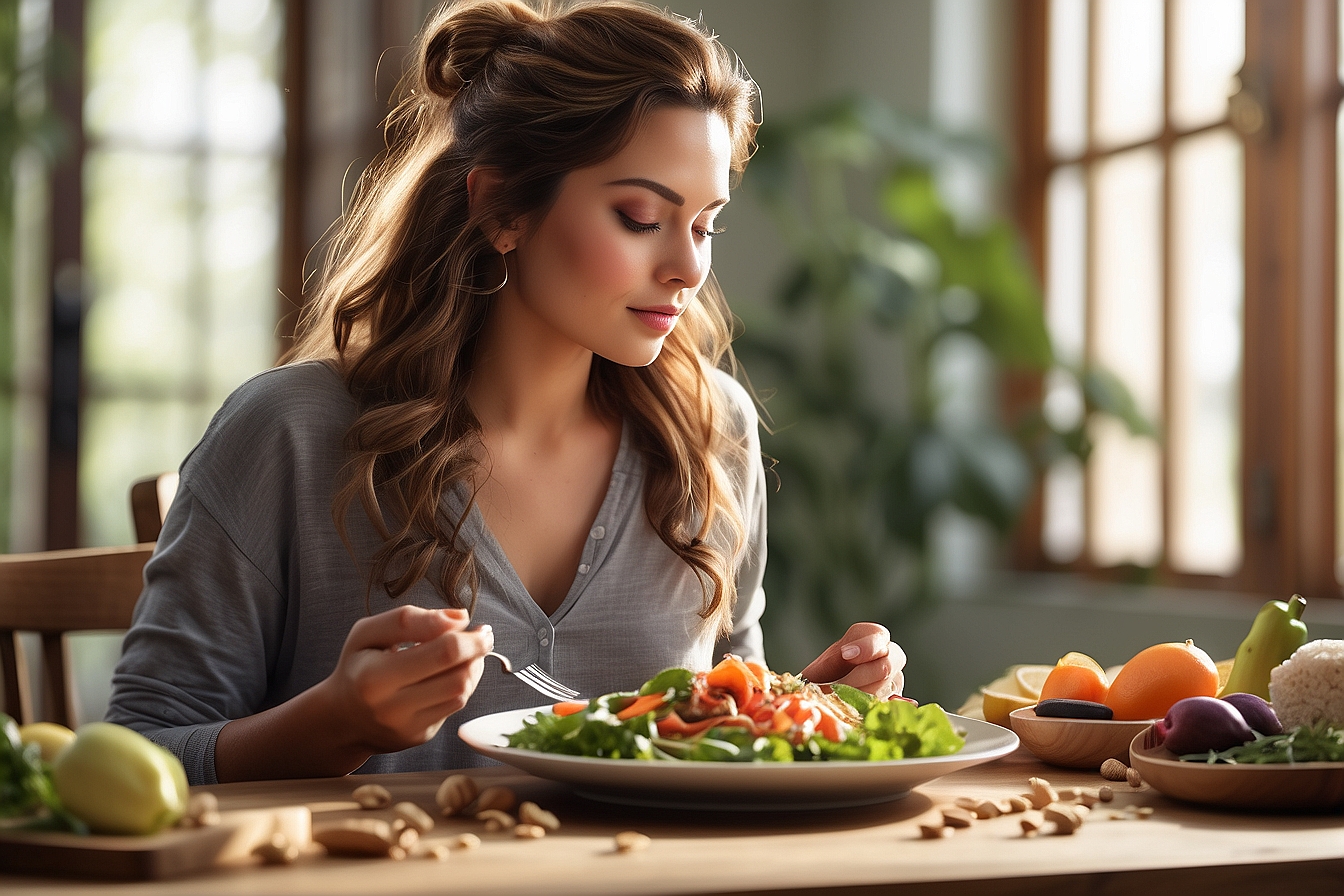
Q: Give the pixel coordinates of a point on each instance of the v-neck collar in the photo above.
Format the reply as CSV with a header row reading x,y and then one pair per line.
x,y
602,532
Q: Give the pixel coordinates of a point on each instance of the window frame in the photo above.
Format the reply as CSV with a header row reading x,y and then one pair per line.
x,y
1288,399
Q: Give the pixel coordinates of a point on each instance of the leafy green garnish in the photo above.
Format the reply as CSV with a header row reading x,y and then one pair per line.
x,y
1322,742
593,732
862,701
25,785
897,730
676,683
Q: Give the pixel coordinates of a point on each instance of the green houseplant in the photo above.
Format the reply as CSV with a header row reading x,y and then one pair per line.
x,y
891,313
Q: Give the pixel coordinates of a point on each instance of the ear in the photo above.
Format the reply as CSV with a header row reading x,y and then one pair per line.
x,y
481,184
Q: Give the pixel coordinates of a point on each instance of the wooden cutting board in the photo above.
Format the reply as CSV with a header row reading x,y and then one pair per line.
x,y
172,853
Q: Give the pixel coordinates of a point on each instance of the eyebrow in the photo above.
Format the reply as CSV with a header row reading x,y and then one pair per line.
x,y
667,193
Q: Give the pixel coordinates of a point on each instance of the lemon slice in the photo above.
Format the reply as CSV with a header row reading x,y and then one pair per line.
x,y
1074,658
1029,679
997,705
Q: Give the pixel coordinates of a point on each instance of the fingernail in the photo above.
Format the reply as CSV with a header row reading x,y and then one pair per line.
x,y
849,651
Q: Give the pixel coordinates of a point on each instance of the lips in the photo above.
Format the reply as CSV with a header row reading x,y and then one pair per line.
x,y
660,319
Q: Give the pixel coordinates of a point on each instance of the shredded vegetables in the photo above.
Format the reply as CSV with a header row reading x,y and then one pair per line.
x,y
740,712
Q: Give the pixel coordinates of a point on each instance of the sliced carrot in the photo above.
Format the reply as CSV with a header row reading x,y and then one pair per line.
x,y
569,707
762,673
733,676
641,705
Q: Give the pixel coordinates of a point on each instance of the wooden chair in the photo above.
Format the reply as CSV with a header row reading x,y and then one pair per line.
x,y
150,498
52,593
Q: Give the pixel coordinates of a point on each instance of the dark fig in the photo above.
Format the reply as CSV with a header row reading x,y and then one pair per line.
x,y
1062,708
1257,713
1200,724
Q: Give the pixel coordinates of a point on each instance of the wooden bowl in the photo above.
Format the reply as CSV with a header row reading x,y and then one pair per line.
x,y
1075,743
1303,787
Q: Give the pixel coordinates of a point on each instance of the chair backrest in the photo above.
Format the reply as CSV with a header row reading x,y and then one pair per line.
x,y
55,592
150,498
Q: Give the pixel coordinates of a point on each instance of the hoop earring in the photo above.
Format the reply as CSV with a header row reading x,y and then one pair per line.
x,y
489,292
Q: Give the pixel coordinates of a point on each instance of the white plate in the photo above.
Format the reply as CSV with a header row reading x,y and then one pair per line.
x,y
732,785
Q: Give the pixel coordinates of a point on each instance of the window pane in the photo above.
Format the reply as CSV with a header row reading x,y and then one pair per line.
x,y
1068,77
181,231
1066,253
1129,71
1124,473
1206,315
1209,38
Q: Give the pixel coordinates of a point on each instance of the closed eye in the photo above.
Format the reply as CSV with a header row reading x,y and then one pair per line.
x,y
639,226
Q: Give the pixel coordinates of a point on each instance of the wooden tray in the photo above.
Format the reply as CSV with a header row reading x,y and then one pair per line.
x,y
172,853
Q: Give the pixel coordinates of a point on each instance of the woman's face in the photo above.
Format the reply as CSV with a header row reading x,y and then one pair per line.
x,y
626,245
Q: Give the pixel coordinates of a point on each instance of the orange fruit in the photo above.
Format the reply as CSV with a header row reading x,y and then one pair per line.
x,y
1158,676
1076,677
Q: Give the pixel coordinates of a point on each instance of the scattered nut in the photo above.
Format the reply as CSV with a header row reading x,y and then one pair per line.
x,y
632,841
957,817
967,802
406,836
414,816
934,831
1066,818
1030,827
1070,794
202,811
1133,778
438,852
467,841
1144,811
1105,793
1018,804
531,813
1042,794
359,837
1087,799
1114,770
529,832
277,851
987,809
496,797
456,793
496,820
372,796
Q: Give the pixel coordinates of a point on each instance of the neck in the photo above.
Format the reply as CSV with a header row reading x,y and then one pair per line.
x,y
526,380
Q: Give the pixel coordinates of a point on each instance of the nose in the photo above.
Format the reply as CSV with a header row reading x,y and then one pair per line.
x,y
685,261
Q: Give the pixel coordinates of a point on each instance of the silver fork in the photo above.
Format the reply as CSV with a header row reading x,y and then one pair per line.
x,y
536,678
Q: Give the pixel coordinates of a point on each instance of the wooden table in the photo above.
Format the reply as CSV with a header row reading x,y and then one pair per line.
x,y
1184,849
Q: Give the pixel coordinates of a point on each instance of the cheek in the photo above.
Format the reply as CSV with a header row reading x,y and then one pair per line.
x,y
596,262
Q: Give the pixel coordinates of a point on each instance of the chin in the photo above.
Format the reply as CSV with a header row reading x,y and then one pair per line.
x,y
632,357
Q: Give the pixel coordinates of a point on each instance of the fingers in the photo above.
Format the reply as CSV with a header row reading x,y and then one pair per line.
x,y
404,625
863,643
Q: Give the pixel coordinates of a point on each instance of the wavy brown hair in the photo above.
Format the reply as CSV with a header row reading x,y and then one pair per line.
x,y
533,94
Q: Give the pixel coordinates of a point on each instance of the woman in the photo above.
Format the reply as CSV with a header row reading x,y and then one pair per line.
x,y
504,424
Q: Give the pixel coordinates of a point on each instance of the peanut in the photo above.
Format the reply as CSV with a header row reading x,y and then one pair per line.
x,y
1018,804
456,793
934,831
372,796
467,841
496,797
438,852
414,816
1030,827
957,817
529,832
1105,793
1042,794
496,820
631,841
202,811
1133,778
1114,770
987,809
1065,818
531,813
359,837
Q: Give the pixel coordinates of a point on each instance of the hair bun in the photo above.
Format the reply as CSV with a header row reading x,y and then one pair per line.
x,y
462,41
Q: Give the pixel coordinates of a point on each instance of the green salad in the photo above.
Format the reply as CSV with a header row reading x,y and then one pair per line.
x,y
740,712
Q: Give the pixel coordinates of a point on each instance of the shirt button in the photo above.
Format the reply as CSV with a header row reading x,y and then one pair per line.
x,y
583,568
599,532
545,641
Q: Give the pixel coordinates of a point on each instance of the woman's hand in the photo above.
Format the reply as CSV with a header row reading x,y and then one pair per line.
x,y
403,672
864,658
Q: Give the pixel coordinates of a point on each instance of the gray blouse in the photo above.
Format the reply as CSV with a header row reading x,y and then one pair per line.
x,y
251,593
